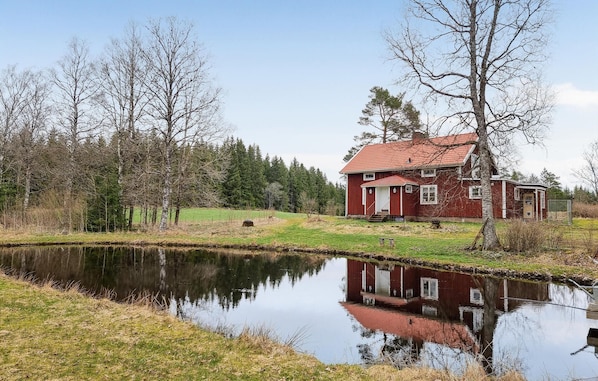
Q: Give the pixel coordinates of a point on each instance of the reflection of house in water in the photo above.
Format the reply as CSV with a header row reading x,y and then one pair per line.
x,y
427,305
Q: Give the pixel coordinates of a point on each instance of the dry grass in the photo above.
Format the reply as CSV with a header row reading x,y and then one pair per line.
x,y
583,210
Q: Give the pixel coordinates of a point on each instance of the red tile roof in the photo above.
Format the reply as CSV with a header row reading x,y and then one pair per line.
x,y
406,325
443,151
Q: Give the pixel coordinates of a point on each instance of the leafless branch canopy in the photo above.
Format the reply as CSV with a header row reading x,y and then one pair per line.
x,y
478,64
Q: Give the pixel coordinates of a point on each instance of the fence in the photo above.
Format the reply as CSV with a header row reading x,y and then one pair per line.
x,y
560,210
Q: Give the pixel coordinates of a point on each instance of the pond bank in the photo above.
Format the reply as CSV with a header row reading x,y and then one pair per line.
x,y
66,335
477,261
565,256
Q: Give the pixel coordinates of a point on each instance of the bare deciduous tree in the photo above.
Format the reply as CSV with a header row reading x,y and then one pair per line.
x,y
588,173
76,89
122,74
183,104
13,101
32,129
478,62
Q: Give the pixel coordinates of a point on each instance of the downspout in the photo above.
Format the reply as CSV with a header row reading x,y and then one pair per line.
x,y
402,214
402,283
504,199
364,200
506,295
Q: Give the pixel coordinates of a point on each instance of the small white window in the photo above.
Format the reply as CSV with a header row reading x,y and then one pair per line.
x,y
430,172
475,296
517,194
369,176
428,195
475,192
429,288
429,310
408,188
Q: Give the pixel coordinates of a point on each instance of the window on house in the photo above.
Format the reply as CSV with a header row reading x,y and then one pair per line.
x,y
475,191
369,176
428,194
429,310
517,194
430,172
408,188
429,288
475,296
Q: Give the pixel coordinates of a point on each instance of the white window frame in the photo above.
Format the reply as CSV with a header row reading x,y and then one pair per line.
x,y
476,297
429,310
408,188
517,194
429,172
369,176
472,189
425,189
429,288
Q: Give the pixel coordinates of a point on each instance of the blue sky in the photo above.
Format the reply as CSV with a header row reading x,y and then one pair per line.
x,y
296,74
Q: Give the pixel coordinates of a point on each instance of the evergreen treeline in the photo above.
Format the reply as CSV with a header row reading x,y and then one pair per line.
x,y
244,179
253,181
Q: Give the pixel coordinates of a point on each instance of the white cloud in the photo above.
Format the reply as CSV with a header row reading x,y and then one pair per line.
x,y
568,94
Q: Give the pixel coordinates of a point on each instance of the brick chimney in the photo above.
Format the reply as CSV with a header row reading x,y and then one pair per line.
x,y
417,137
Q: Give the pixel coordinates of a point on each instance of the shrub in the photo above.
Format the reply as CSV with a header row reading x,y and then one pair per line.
x,y
585,210
521,236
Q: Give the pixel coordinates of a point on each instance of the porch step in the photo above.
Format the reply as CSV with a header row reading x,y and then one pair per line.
x,y
377,217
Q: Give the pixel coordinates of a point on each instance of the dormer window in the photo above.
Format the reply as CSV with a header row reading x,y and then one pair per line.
x,y
369,176
430,172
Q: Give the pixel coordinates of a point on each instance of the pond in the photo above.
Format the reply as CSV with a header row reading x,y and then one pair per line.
x,y
343,310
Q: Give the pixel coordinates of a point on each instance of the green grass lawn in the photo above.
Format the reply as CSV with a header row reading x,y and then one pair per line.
x,y
566,253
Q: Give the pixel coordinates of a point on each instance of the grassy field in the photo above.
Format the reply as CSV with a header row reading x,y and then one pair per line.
x,y
566,252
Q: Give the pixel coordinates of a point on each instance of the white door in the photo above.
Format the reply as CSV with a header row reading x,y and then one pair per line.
x,y
382,282
383,199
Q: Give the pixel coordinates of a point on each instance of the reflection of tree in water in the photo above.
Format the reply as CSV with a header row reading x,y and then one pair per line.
x,y
194,275
389,349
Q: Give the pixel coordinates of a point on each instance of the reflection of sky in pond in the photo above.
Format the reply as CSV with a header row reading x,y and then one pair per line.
x,y
535,338
546,335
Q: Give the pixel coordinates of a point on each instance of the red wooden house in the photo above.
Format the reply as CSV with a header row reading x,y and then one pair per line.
x,y
432,178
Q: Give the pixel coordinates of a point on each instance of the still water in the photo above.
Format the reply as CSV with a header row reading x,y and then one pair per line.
x,y
346,311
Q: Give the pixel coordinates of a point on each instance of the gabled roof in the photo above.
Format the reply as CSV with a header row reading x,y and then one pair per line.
x,y
390,181
443,151
419,327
